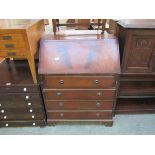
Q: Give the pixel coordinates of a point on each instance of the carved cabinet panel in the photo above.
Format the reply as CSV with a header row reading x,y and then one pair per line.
x,y
139,54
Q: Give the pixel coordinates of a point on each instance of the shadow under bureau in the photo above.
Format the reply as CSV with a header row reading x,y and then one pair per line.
x,y
79,79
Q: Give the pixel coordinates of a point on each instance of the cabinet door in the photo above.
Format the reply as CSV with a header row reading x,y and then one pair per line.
x,y
139,54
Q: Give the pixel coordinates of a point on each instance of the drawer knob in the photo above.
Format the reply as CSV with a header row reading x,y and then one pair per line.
x,y
61,114
60,104
99,93
2,111
96,81
27,97
98,104
7,37
34,124
6,124
32,116
25,89
5,117
9,45
61,81
0,105
59,93
31,110
29,104
97,115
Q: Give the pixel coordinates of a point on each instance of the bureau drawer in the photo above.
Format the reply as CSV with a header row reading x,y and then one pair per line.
x,y
79,115
8,88
97,94
23,123
79,105
11,37
13,53
23,97
79,82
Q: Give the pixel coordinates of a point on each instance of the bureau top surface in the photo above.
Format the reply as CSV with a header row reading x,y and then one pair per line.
x,y
81,56
137,23
17,23
15,72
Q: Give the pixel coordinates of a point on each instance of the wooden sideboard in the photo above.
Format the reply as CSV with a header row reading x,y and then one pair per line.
x,y
20,39
137,80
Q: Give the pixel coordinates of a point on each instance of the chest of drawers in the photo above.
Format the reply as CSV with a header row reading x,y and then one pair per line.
x,y
21,101
19,39
79,79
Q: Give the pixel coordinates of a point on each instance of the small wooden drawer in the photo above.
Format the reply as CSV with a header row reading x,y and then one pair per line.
x,y
79,115
23,97
9,88
23,123
79,82
11,37
13,53
20,114
79,105
96,94
11,45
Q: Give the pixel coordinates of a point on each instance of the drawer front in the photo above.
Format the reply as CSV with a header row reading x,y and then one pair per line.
x,y
23,123
19,89
20,114
13,53
79,82
79,94
23,97
79,115
79,105
11,37
11,45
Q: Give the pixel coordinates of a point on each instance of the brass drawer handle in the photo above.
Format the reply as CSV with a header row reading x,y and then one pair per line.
x,y
59,93
11,54
61,114
61,81
60,104
9,45
98,104
99,93
97,115
7,37
96,81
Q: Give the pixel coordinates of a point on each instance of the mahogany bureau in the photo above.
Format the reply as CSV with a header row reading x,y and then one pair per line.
x,y
79,78
19,39
21,101
137,80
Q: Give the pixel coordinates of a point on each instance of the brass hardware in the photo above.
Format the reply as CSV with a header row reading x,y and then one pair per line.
x,y
61,114
99,93
61,81
7,37
97,115
60,104
98,104
59,93
96,81
9,45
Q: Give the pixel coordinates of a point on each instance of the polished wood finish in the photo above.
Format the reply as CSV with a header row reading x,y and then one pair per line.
x,y
79,77
20,39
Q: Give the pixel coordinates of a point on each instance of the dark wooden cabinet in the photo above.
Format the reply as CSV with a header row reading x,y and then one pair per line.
x,y
137,45
21,102
137,80
79,78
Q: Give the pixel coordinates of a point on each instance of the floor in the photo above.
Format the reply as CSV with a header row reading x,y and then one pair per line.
x,y
123,125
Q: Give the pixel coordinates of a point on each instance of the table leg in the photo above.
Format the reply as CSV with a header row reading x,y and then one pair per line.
x,y
31,62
